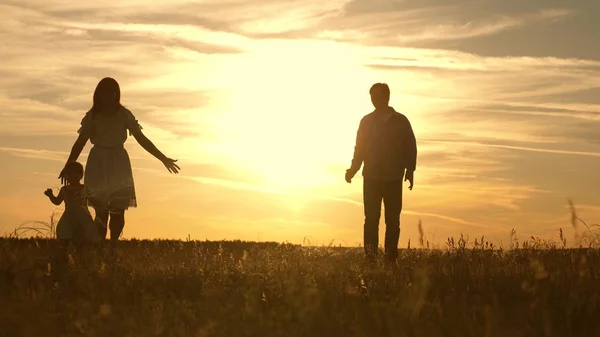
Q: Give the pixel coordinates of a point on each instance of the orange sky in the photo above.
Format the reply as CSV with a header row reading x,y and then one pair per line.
x,y
260,101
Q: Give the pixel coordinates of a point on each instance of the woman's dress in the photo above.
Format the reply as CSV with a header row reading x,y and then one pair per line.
x,y
108,174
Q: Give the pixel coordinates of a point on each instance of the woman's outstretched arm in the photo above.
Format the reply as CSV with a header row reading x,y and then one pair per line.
x,y
151,148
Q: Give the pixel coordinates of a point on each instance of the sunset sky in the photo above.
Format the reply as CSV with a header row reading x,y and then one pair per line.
x,y
260,102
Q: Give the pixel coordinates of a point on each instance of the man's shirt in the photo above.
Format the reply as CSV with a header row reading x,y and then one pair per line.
x,y
386,144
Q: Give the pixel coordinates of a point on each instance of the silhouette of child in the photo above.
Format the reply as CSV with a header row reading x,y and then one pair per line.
x,y
76,223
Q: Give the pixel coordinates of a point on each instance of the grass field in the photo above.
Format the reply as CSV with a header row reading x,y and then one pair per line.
x,y
174,288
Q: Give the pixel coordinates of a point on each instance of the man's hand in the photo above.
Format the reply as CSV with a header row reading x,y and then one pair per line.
x,y
410,176
349,175
48,192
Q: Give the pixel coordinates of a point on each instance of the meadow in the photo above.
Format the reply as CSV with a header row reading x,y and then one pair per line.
x,y
193,288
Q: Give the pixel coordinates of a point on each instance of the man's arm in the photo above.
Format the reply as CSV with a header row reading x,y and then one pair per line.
x,y
410,152
411,148
359,149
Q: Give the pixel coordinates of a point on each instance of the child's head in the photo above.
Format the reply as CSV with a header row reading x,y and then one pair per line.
x,y
74,172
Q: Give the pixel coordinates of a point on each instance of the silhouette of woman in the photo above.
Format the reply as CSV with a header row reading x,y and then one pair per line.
x,y
108,177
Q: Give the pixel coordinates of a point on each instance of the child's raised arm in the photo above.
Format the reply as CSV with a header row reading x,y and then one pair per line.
x,y
57,200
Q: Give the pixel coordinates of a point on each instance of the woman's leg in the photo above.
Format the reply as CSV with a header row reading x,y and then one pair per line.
x,y
117,222
101,222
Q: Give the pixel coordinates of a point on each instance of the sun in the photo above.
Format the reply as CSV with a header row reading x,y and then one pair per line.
x,y
292,113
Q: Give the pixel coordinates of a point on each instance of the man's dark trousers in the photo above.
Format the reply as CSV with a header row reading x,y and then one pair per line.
x,y
390,192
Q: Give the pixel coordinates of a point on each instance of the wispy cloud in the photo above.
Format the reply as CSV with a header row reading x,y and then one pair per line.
x,y
470,29
321,197
42,154
511,147
252,187
36,154
405,57
415,24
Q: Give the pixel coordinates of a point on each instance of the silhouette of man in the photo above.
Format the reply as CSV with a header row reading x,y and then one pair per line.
x,y
385,142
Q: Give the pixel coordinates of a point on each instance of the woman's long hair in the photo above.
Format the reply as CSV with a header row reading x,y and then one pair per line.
x,y
106,86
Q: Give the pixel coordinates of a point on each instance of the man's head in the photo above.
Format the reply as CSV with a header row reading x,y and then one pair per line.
x,y
380,95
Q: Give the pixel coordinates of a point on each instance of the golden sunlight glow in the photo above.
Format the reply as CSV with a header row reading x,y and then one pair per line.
x,y
293,112
260,103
